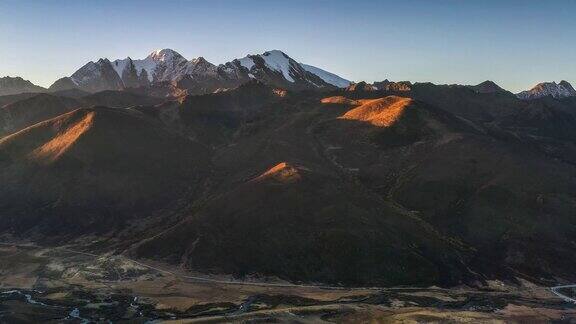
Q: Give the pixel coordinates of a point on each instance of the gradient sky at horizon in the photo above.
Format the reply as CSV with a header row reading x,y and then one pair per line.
x,y
514,43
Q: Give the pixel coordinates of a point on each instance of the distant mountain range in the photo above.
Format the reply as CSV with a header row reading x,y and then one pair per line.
x,y
166,73
167,67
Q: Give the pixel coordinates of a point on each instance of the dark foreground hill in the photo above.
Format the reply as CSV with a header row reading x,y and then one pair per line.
x,y
501,197
412,185
304,223
94,171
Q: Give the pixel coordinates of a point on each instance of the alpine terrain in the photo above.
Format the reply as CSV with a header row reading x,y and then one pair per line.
x,y
167,188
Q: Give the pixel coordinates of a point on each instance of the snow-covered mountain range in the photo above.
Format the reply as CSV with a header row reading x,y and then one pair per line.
x,y
167,66
167,73
557,90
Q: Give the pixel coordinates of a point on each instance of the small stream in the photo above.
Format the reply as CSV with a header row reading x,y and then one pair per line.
x,y
245,306
73,314
28,297
79,306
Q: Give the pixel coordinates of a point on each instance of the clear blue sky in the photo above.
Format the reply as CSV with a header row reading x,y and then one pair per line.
x,y
515,43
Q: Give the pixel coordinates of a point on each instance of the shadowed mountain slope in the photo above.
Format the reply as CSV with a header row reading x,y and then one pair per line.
x,y
91,170
214,118
467,184
426,185
26,110
377,169
119,99
20,114
303,223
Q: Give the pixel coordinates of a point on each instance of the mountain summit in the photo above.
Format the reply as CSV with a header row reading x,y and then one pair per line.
x,y
557,90
198,75
487,87
10,85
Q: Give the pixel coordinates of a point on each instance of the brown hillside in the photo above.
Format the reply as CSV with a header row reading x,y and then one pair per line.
x,y
110,164
23,113
305,224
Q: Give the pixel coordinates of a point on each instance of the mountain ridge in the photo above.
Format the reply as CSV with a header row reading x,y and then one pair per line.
x,y
197,75
16,85
165,72
563,89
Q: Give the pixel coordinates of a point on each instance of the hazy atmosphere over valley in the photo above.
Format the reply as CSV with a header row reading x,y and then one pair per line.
x,y
298,162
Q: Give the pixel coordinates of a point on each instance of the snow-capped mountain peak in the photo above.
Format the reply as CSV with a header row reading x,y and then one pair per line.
x,y
274,60
97,76
164,55
278,61
160,65
198,75
557,90
290,70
